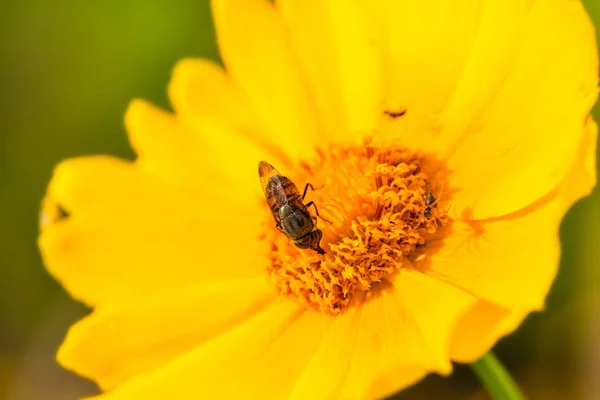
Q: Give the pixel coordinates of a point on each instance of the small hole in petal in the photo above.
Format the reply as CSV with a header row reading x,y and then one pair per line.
x,y
52,213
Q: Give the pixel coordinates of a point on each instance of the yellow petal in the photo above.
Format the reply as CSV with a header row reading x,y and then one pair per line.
x,y
336,48
394,338
516,120
512,261
480,328
325,372
495,90
581,180
201,90
436,308
260,359
203,157
425,47
130,233
113,345
165,147
485,323
254,46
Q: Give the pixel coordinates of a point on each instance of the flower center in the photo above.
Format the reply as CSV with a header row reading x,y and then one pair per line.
x,y
377,207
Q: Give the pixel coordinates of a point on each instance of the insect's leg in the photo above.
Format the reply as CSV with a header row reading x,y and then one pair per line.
x,y
312,203
306,189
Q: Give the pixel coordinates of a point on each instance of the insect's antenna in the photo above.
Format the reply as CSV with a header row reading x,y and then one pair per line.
x,y
308,185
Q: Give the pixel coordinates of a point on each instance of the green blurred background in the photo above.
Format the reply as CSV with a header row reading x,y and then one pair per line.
x,y
68,71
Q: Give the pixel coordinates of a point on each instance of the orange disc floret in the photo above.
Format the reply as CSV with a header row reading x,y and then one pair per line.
x,y
374,201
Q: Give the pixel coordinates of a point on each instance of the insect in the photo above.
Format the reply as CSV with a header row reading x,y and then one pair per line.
x,y
430,202
290,213
394,114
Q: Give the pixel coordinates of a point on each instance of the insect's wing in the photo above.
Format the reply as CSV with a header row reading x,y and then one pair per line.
x,y
265,172
269,181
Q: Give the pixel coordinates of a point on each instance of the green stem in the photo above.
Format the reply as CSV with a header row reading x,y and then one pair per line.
x,y
496,379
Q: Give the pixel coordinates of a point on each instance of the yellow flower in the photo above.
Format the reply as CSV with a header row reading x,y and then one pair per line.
x,y
440,226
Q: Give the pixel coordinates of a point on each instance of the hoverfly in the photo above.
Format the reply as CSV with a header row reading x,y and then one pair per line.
x,y
290,213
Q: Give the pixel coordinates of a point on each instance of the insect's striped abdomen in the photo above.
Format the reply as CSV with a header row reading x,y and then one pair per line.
x,y
286,205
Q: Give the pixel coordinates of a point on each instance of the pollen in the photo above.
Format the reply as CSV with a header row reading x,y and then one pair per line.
x,y
377,209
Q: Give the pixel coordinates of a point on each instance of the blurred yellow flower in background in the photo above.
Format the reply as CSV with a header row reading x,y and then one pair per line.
x,y
196,294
